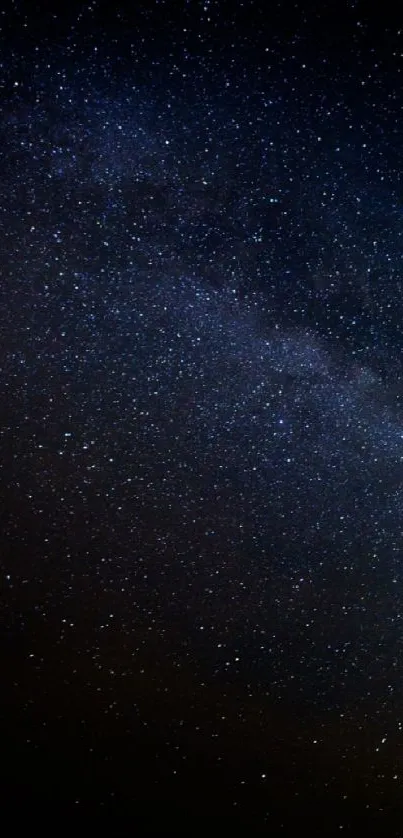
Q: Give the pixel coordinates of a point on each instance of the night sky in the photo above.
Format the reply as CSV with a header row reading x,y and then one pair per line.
x,y
201,416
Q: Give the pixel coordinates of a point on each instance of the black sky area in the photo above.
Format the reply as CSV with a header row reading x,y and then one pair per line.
x,y
201,417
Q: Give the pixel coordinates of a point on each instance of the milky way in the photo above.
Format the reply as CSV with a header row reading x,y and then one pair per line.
x,y
201,399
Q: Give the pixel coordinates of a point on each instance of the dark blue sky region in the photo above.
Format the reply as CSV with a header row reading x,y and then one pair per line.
x,y
201,412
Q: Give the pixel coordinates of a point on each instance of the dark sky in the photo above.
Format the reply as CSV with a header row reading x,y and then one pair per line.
x,y
201,415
